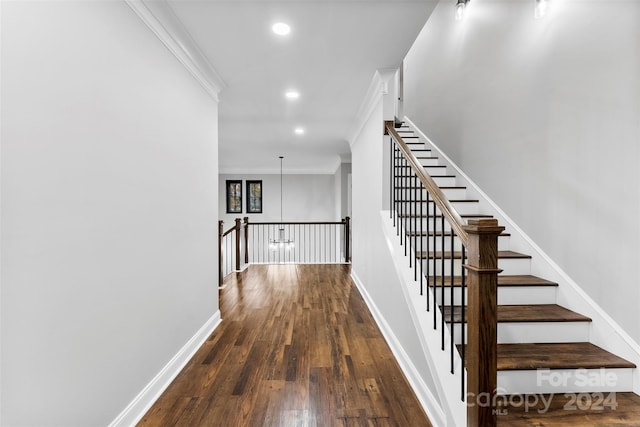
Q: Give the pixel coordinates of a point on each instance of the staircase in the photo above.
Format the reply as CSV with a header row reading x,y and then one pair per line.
x,y
543,348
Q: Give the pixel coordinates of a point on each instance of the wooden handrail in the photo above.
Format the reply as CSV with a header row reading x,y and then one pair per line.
x,y
228,231
449,212
297,223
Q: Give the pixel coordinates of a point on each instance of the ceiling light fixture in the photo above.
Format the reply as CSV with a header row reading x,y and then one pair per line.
x,y
281,242
292,94
281,29
299,131
541,9
460,9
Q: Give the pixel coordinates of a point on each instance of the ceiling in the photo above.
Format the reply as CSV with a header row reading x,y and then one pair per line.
x,y
330,57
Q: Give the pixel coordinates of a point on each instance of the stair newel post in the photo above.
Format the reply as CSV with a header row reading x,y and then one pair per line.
x,y
238,229
246,240
220,233
347,235
482,321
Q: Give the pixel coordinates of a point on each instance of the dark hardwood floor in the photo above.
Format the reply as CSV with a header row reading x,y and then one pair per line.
x,y
297,347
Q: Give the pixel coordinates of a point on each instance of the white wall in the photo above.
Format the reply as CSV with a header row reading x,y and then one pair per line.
x,y
341,190
545,116
372,264
109,200
305,198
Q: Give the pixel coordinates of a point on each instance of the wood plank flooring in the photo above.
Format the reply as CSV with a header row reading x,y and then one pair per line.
x,y
297,347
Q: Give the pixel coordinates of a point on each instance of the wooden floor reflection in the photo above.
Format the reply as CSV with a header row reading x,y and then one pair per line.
x,y
297,347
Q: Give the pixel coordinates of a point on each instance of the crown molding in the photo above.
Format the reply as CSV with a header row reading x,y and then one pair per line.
x,y
161,19
379,86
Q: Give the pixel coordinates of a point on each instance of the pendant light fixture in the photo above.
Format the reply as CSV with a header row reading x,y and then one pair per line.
x,y
541,9
461,5
281,241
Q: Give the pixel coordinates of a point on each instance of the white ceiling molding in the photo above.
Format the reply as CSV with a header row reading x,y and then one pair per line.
x,y
160,18
379,86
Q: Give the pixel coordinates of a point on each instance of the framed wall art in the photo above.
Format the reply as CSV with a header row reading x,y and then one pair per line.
x,y
254,196
234,196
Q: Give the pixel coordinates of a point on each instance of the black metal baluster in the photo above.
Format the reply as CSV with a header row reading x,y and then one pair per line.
x,y
391,190
427,197
442,274
435,269
395,186
409,219
463,324
421,240
406,199
414,184
453,325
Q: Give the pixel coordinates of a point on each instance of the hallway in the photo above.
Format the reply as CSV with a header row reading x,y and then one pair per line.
x,y
297,347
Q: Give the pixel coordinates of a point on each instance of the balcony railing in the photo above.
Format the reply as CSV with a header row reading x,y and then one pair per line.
x,y
313,242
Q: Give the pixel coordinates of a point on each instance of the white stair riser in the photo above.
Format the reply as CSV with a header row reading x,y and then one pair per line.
x,y
428,162
414,143
510,266
527,332
454,193
439,179
428,242
450,193
507,295
422,208
415,225
519,295
417,150
433,171
565,381
444,181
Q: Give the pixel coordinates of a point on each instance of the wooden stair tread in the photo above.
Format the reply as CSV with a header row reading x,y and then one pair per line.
x,y
557,356
525,313
458,255
505,280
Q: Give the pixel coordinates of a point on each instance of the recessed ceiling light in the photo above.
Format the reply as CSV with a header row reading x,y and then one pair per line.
x,y
299,131
281,29
292,94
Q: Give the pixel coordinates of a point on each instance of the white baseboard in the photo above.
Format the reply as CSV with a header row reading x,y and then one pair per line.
x,y
147,397
426,398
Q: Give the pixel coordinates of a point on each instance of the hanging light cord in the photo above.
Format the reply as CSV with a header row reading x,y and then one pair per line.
x,y
281,157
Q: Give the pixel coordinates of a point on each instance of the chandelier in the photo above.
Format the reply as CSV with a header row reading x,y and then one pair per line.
x,y
281,242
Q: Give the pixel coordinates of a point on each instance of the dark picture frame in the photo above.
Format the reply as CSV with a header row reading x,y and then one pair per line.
x,y
234,196
254,196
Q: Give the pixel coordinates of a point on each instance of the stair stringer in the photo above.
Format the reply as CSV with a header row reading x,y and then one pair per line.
x,y
448,384
604,331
